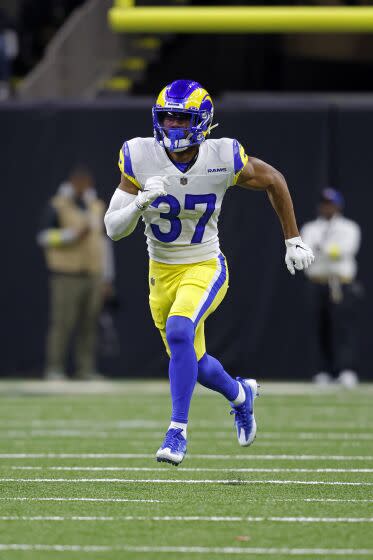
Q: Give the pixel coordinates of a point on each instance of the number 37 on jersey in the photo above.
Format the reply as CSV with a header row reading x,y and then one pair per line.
x,y
187,218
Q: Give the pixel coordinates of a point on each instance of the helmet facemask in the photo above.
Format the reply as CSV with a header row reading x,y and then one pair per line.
x,y
178,139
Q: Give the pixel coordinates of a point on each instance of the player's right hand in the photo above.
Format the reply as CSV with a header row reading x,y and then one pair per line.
x,y
299,256
154,187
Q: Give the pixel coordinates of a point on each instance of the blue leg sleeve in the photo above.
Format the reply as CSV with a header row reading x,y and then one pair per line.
x,y
212,375
183,365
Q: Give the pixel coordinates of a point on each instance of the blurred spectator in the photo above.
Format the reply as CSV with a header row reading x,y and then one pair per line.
x,y
80,263
8,51
334,293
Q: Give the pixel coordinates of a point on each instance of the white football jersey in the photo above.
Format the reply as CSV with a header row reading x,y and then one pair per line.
x,y
182,227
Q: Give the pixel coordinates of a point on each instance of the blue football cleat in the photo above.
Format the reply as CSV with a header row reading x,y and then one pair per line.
x,y
245,420
173,448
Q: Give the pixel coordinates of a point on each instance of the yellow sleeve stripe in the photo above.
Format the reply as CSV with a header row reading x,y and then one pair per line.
x,y
238,174
243,160
122,170
133,180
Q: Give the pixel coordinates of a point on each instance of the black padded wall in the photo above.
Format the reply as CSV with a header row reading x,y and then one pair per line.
x,y
262,326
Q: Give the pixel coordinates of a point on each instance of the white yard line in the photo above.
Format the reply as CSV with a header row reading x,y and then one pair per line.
x,y
184,469
94,423
248,456
286,457
137,442
271,445
191,549
21,434
280,444
153,424
319,519
55,499
316,435
322,500
284,437
186,481
217,519
331,424
77,456
113,500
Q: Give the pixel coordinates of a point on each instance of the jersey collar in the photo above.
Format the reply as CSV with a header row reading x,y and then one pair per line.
x,y
167,162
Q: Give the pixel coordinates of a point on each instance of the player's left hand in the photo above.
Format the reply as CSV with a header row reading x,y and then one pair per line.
x,y
298,255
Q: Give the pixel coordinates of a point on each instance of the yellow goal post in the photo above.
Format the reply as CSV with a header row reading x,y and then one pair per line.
x,y
124,16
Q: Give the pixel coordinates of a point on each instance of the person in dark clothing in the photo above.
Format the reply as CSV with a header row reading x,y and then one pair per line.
x,y
333,290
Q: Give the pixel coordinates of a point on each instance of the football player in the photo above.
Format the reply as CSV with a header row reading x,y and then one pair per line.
x,y
176,182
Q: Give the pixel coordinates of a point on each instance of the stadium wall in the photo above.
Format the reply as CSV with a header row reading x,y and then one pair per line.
x,y
262,325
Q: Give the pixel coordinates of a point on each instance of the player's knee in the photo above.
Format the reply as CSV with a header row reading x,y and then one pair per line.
x,y
179,330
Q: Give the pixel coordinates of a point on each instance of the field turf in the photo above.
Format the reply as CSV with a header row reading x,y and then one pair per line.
x,y
79,480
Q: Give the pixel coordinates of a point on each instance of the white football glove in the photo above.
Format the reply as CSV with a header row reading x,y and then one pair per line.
x,y
298,255
154,187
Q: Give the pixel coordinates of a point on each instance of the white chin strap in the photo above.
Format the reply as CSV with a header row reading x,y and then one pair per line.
x,y
182,144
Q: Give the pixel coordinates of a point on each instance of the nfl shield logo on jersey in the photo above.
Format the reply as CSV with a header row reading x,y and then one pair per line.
x,y
183,181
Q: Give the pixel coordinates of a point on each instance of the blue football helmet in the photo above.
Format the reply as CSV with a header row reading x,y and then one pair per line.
x,y
189,98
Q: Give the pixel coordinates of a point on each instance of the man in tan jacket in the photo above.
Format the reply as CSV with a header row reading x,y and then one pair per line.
x,y
80,266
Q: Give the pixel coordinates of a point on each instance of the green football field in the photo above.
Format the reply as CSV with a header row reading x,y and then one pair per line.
x,y
79,480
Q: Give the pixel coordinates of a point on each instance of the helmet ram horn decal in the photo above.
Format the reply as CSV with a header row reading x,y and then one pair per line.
x,y
189,98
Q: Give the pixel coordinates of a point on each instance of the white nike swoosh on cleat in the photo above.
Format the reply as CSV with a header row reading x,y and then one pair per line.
x,y
168,455
242,437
